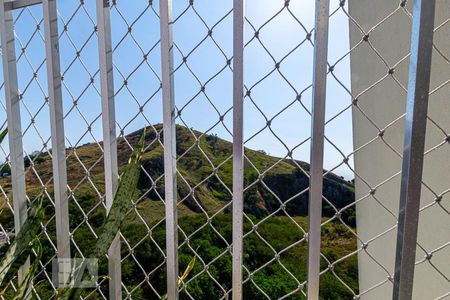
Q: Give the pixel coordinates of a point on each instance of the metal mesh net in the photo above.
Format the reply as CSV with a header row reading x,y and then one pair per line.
x,y
278,86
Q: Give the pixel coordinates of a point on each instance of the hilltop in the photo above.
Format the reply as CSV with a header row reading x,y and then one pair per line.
x,y
205,176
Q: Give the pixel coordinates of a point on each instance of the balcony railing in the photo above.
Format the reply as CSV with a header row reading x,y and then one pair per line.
x,y
79,76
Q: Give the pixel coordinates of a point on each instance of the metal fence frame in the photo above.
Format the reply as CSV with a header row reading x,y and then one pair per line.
x,y
109,136
238,147
317,146
413,149
418,91
13,112
170,173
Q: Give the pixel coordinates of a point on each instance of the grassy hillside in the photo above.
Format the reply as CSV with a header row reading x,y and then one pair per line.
x,y
275,188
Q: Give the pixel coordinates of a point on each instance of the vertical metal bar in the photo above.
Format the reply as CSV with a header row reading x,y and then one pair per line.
x,y
238,146
317,145
170,175
413,147
109,136
13,115
57,133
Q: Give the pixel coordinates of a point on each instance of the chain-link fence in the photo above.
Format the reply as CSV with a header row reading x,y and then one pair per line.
x,y
243,112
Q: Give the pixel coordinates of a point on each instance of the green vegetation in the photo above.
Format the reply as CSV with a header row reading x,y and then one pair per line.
x,y
204,185
21,247
279,232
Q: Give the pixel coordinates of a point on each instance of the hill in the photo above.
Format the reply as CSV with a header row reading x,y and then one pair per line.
x,y
275,187
205,176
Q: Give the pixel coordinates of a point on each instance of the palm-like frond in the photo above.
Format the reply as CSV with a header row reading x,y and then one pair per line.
x,y
119,208
24,290
186,272
21,247
3,134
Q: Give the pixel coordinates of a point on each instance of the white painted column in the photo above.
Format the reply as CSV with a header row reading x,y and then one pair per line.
x,y
375,163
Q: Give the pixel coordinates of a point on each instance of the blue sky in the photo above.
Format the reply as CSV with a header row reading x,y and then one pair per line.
x,y
272,95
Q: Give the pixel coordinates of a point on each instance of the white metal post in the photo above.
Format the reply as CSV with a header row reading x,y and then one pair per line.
x,y
57,132
170,175
317,144
13,114
238,146
109,136
413,146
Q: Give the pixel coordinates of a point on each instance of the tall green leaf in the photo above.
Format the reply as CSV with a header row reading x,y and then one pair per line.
x,y
24,290
122,200
186,272
119,208
21,247
3,134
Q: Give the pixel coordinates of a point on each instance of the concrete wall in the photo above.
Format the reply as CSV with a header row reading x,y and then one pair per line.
x,y
375,163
